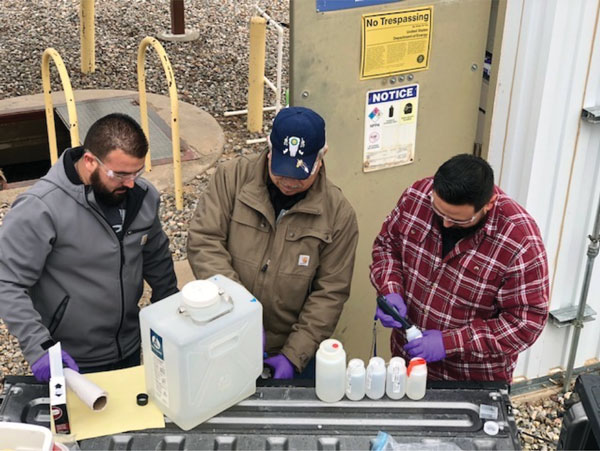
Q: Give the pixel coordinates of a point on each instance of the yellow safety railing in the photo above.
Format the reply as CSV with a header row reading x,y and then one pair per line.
x,y
141,71
70,98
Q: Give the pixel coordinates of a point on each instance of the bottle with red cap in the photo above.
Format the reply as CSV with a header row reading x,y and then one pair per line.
x,y
416,380
330,376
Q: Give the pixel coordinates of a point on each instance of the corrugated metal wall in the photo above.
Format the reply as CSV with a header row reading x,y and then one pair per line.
x,y
546,157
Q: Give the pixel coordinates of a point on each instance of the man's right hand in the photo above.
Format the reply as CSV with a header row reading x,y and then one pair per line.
x,y
386,320
41,367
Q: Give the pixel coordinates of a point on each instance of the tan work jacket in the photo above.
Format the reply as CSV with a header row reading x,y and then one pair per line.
x,y
299,267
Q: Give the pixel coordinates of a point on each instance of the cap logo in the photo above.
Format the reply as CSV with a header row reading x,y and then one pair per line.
x,y
293,145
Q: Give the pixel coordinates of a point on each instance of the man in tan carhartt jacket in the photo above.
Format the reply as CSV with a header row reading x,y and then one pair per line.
x,y
275,223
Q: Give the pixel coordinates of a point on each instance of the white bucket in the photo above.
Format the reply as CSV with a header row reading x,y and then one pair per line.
x,y
202,349
24,437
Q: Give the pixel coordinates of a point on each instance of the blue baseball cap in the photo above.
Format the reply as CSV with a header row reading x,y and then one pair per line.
x,y
297,136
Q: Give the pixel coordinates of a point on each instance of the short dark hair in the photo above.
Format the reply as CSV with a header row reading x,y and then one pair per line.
x,y
116,131
465,180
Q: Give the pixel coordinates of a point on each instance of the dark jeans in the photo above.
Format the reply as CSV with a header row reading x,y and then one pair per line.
x,y
127,362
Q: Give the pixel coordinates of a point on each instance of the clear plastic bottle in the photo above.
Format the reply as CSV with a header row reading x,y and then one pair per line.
x,y
416,381
395,386
375,378
330,376
355,380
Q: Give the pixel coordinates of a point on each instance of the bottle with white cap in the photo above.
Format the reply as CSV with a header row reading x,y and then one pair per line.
x,y
195,339
330,371
355,380
376,378
416,380
395,386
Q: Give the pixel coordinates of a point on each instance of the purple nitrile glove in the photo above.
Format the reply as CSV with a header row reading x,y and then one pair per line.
x,y
282,367
386,320
41,367
430,346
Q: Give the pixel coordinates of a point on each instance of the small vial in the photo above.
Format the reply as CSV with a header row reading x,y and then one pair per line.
x,y
355,380
395,386
376,378
412,333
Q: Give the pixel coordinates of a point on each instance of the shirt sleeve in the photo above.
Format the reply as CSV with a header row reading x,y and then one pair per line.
x,y
330,290
386,267
158,269
26,239
522,312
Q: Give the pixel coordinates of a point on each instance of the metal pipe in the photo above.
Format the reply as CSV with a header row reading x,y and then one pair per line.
x,y
177,17
174,111
279,29
256,75
69,97
592,253
87,36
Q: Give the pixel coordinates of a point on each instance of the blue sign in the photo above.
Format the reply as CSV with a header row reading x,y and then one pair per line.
x,y
333,5
391,95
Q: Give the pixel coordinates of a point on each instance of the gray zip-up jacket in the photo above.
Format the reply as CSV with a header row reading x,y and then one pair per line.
x,y
65,275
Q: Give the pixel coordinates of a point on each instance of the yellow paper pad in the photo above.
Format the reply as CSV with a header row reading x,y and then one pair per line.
x,y
121,413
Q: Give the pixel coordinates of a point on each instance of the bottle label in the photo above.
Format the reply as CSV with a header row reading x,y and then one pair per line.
x,y
161,389
396,381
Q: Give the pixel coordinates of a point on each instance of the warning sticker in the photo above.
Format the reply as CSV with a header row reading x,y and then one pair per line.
x,y
390,127
395,42
161,389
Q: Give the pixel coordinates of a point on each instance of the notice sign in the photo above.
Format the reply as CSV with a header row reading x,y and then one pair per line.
x,y
390,127
395,42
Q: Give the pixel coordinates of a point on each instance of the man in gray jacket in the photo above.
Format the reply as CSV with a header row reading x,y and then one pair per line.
x,y
76,248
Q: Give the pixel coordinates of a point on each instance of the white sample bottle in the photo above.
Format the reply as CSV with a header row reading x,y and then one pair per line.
x,y
416,380
395,385
375,378
355,380
330,375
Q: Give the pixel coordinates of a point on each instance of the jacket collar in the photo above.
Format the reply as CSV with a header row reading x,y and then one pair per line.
x,y
255,193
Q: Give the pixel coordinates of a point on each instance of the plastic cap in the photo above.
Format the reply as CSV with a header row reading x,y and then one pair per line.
x,y
491,427
397,361
415,362
356,366
200,294
331,348
377,362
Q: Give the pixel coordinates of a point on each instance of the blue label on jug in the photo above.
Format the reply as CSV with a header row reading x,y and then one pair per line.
x,y
156,344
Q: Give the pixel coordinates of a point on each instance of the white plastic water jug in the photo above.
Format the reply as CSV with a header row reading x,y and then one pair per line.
x,y
376,378
416,380
355,380
330,371
395,386
202,349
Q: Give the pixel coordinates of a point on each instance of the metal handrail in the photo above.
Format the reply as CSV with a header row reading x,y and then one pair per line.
x,y
141,72
70,98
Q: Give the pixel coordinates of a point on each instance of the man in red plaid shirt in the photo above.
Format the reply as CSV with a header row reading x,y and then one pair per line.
x,y
466,264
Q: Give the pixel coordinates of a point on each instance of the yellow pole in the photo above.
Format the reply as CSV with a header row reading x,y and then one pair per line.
x,y
69,97
87,36
256,76
174,110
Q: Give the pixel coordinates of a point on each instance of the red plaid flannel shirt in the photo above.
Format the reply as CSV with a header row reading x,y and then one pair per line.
x,y
488,296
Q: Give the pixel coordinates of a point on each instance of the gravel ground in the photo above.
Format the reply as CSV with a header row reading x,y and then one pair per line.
x,y
211,73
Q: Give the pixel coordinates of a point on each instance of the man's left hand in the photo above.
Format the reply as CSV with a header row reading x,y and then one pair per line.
x,y
282,367
430,346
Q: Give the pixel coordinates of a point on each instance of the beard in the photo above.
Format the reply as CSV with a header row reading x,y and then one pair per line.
x,y
105,195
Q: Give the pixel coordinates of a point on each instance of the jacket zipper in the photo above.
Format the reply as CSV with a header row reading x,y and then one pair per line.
x,y
119,351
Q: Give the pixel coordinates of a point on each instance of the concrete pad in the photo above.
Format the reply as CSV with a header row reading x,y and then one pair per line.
x,y
200,131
